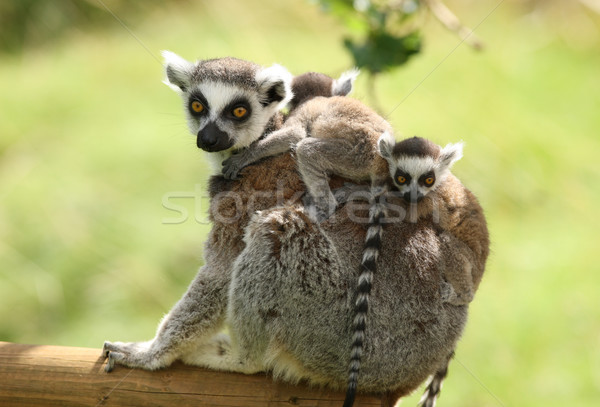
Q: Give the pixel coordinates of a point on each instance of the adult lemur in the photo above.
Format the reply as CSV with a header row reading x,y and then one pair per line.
x,y
284,285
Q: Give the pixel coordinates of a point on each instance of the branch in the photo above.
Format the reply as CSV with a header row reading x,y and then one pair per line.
x,y
452,23
63,376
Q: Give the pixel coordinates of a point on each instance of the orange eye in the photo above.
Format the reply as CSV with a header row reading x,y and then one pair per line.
x,y
401,179
429,181
240,112
197,106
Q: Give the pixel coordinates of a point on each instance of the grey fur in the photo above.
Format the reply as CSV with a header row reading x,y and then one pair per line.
x,y
334,135
286,290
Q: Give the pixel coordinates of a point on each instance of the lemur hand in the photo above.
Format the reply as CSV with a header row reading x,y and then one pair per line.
x,y
234,164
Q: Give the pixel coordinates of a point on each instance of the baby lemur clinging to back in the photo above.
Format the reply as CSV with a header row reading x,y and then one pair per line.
x,y
420,172
330,135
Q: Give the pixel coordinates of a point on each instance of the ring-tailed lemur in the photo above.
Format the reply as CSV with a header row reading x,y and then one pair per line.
x,y
283,284
420,172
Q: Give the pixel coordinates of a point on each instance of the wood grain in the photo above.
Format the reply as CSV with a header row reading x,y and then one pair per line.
x,y
32,375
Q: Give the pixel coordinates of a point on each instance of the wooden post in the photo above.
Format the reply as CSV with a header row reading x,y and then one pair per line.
x,y
33,375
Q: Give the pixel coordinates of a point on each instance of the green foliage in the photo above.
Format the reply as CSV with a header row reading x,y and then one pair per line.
x,y
382,51
387,35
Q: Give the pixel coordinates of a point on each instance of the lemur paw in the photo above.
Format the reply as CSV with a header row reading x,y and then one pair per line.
x,y
132,354
234,164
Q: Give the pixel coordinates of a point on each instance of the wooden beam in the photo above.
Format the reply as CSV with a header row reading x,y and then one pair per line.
x,y
32,375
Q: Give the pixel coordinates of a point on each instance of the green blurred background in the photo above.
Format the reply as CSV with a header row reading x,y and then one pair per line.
x,y
92,144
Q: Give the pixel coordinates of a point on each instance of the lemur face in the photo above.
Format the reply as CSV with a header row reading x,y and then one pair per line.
x,y
228,102
418,166
414,177
224,115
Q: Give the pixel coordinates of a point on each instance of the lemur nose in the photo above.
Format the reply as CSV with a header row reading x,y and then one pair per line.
x,y
211,138
412,197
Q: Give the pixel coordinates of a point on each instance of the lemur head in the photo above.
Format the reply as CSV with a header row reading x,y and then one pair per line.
x,y
313,84
417,165
228,101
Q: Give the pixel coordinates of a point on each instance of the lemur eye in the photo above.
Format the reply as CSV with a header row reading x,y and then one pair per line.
x,y
197,106
239,112
429,181
401,179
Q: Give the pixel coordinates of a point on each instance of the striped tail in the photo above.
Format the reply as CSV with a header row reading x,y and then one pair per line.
x,y
368,267
435,386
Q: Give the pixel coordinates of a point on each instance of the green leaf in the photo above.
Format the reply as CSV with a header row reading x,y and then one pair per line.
x,y
382,51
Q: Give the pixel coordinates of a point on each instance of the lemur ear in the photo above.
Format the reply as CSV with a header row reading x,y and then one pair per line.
x,y
345,83
451,154
179,71
274,85
385,144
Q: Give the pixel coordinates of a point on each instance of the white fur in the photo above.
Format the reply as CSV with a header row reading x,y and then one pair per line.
x,y
181,67
369,254
339,85
451,153
415,166
385,144
267,77
220,94
373,231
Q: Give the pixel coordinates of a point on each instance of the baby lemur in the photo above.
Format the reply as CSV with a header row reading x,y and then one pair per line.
x,y
329,135
420,173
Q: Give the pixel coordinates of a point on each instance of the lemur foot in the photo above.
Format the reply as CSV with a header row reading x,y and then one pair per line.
x,y
131,354
234,164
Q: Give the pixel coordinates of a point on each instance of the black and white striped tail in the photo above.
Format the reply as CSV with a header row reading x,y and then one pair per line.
x,y
435,386
368,267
